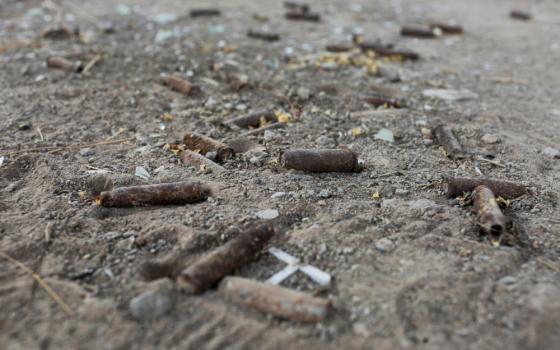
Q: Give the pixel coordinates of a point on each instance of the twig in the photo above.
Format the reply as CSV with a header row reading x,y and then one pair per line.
x,y
53,149
549,264
91,63
42,283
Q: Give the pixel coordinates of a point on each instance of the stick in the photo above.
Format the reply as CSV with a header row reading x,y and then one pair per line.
x,y
52,149
42,283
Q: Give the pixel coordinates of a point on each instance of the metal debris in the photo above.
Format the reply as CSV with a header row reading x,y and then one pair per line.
x,y
237,252
64,64
279,301
457,186
447,28
420,32
321,160
520,15
204,144
303,16
207,12
490,218
175,193
178,84
450,143
293,265
262,35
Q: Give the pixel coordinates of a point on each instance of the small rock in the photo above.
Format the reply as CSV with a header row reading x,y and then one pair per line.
x,y
384,245
211,155
490,139
324,141
303,93
278,195
422,204
269,135
450,94
325,194
24,126
551,152
507,280
390,73
385,135
153,303
268,214
87,152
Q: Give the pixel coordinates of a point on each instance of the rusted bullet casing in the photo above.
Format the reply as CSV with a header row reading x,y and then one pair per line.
x,y
456,186
253,120
338,48
64,64
303,16
237,252
382,101
523,16
321,160
447,28
176,193
296,6
490,218
279,301
204,144
419,32
384,51
450,143
199,161
266,36
178,84
205,12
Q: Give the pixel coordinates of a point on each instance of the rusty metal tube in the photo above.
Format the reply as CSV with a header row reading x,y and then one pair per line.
x,y
450,143
205,144
176,193
456,186
178,84
279,301
237,252
321,160
489,216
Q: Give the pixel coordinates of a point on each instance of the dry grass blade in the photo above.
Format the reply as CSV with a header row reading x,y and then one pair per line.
x,y
42,283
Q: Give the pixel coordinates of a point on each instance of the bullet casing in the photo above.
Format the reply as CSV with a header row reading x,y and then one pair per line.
x,y
197,160
321,160
489,215
205,144
456,186
450,143
237,252
279,301
176,193
178,84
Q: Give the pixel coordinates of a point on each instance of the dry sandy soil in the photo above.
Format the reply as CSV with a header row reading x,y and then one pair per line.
x,y
434,283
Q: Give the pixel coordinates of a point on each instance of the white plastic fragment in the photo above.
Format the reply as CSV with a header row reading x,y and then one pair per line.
x,y
450,94
320,277
142,173
385,135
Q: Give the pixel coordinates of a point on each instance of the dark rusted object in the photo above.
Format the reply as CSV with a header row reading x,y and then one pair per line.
x,y
178,84
237,252
60,33
490,218
205,13
253,120
204,144
447,28
259,131
456,186
303,16
387,51
321,160
339,48
199,161
450,143
377,101
64,64
296,6
419,32
520,15
266,36
176,193
279,301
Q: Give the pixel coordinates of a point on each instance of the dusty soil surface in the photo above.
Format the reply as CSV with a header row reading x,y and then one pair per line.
x,y
410,268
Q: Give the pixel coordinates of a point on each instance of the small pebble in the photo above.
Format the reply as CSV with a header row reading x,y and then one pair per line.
x,y
384,245
551,152
325,194
303,93
153,303
87,152
268,214
278,195
507,280
490,139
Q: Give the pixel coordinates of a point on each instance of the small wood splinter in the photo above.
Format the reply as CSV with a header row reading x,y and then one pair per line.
x,y
490,218
176,193
279,301
237,252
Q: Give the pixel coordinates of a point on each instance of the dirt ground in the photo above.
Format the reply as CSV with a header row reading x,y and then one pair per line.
x,y
410,268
